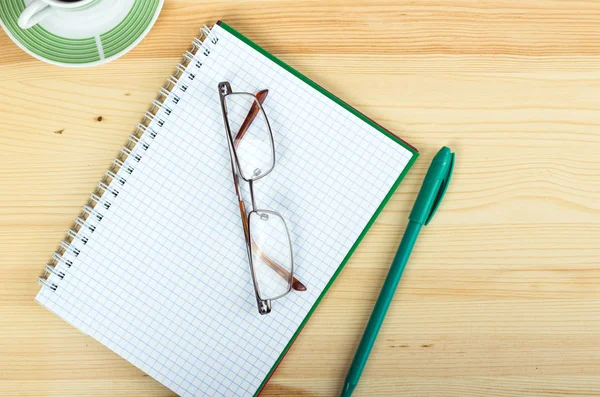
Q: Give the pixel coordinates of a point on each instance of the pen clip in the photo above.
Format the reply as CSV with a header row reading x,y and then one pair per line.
x,y
442,190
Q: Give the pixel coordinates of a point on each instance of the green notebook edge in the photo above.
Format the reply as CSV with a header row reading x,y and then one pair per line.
x,y
415,155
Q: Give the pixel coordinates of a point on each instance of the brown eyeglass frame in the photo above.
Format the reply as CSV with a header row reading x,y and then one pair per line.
x,y
264,306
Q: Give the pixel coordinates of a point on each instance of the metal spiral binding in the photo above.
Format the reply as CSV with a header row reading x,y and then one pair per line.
x,y
139,142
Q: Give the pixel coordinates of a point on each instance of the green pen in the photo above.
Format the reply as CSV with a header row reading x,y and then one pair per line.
x,y
430,196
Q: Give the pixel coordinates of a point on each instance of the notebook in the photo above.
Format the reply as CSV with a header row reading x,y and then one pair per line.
x,y
155,267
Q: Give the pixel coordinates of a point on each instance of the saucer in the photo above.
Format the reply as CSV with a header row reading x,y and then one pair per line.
x,y
93,35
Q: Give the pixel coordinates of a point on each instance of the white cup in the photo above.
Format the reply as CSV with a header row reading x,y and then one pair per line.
x,y
37,10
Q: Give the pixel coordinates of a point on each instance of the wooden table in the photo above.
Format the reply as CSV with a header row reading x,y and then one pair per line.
x,y
501,297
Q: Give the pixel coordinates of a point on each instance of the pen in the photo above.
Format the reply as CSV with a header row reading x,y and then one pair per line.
x,y
430,196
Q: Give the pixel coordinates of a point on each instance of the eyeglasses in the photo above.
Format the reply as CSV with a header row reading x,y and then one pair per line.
x,y
252,152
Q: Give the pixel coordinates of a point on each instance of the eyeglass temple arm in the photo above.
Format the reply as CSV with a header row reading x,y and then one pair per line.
x,y
252,113
254,109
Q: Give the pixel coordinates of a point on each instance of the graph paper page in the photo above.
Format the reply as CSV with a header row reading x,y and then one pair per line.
x,y
164,280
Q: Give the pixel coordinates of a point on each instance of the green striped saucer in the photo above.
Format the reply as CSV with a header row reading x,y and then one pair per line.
x,y
92,35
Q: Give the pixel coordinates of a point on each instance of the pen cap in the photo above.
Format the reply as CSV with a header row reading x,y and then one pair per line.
x,y
434,187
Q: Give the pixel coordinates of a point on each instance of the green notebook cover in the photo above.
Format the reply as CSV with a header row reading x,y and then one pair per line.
x,y
367,120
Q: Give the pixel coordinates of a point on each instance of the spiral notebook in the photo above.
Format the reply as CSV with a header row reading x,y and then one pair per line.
x,y
155,267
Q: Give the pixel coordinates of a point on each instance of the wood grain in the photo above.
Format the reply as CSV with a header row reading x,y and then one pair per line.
x,y
500,298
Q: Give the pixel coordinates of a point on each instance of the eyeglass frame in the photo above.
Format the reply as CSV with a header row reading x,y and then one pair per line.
x,y
264,305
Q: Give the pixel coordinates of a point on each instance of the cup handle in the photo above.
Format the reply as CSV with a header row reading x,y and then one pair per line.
x,y
34,13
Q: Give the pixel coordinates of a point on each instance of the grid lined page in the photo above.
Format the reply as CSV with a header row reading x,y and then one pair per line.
x,y
164,279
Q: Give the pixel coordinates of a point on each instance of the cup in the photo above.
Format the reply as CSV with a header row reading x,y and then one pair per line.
x,y
37,10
